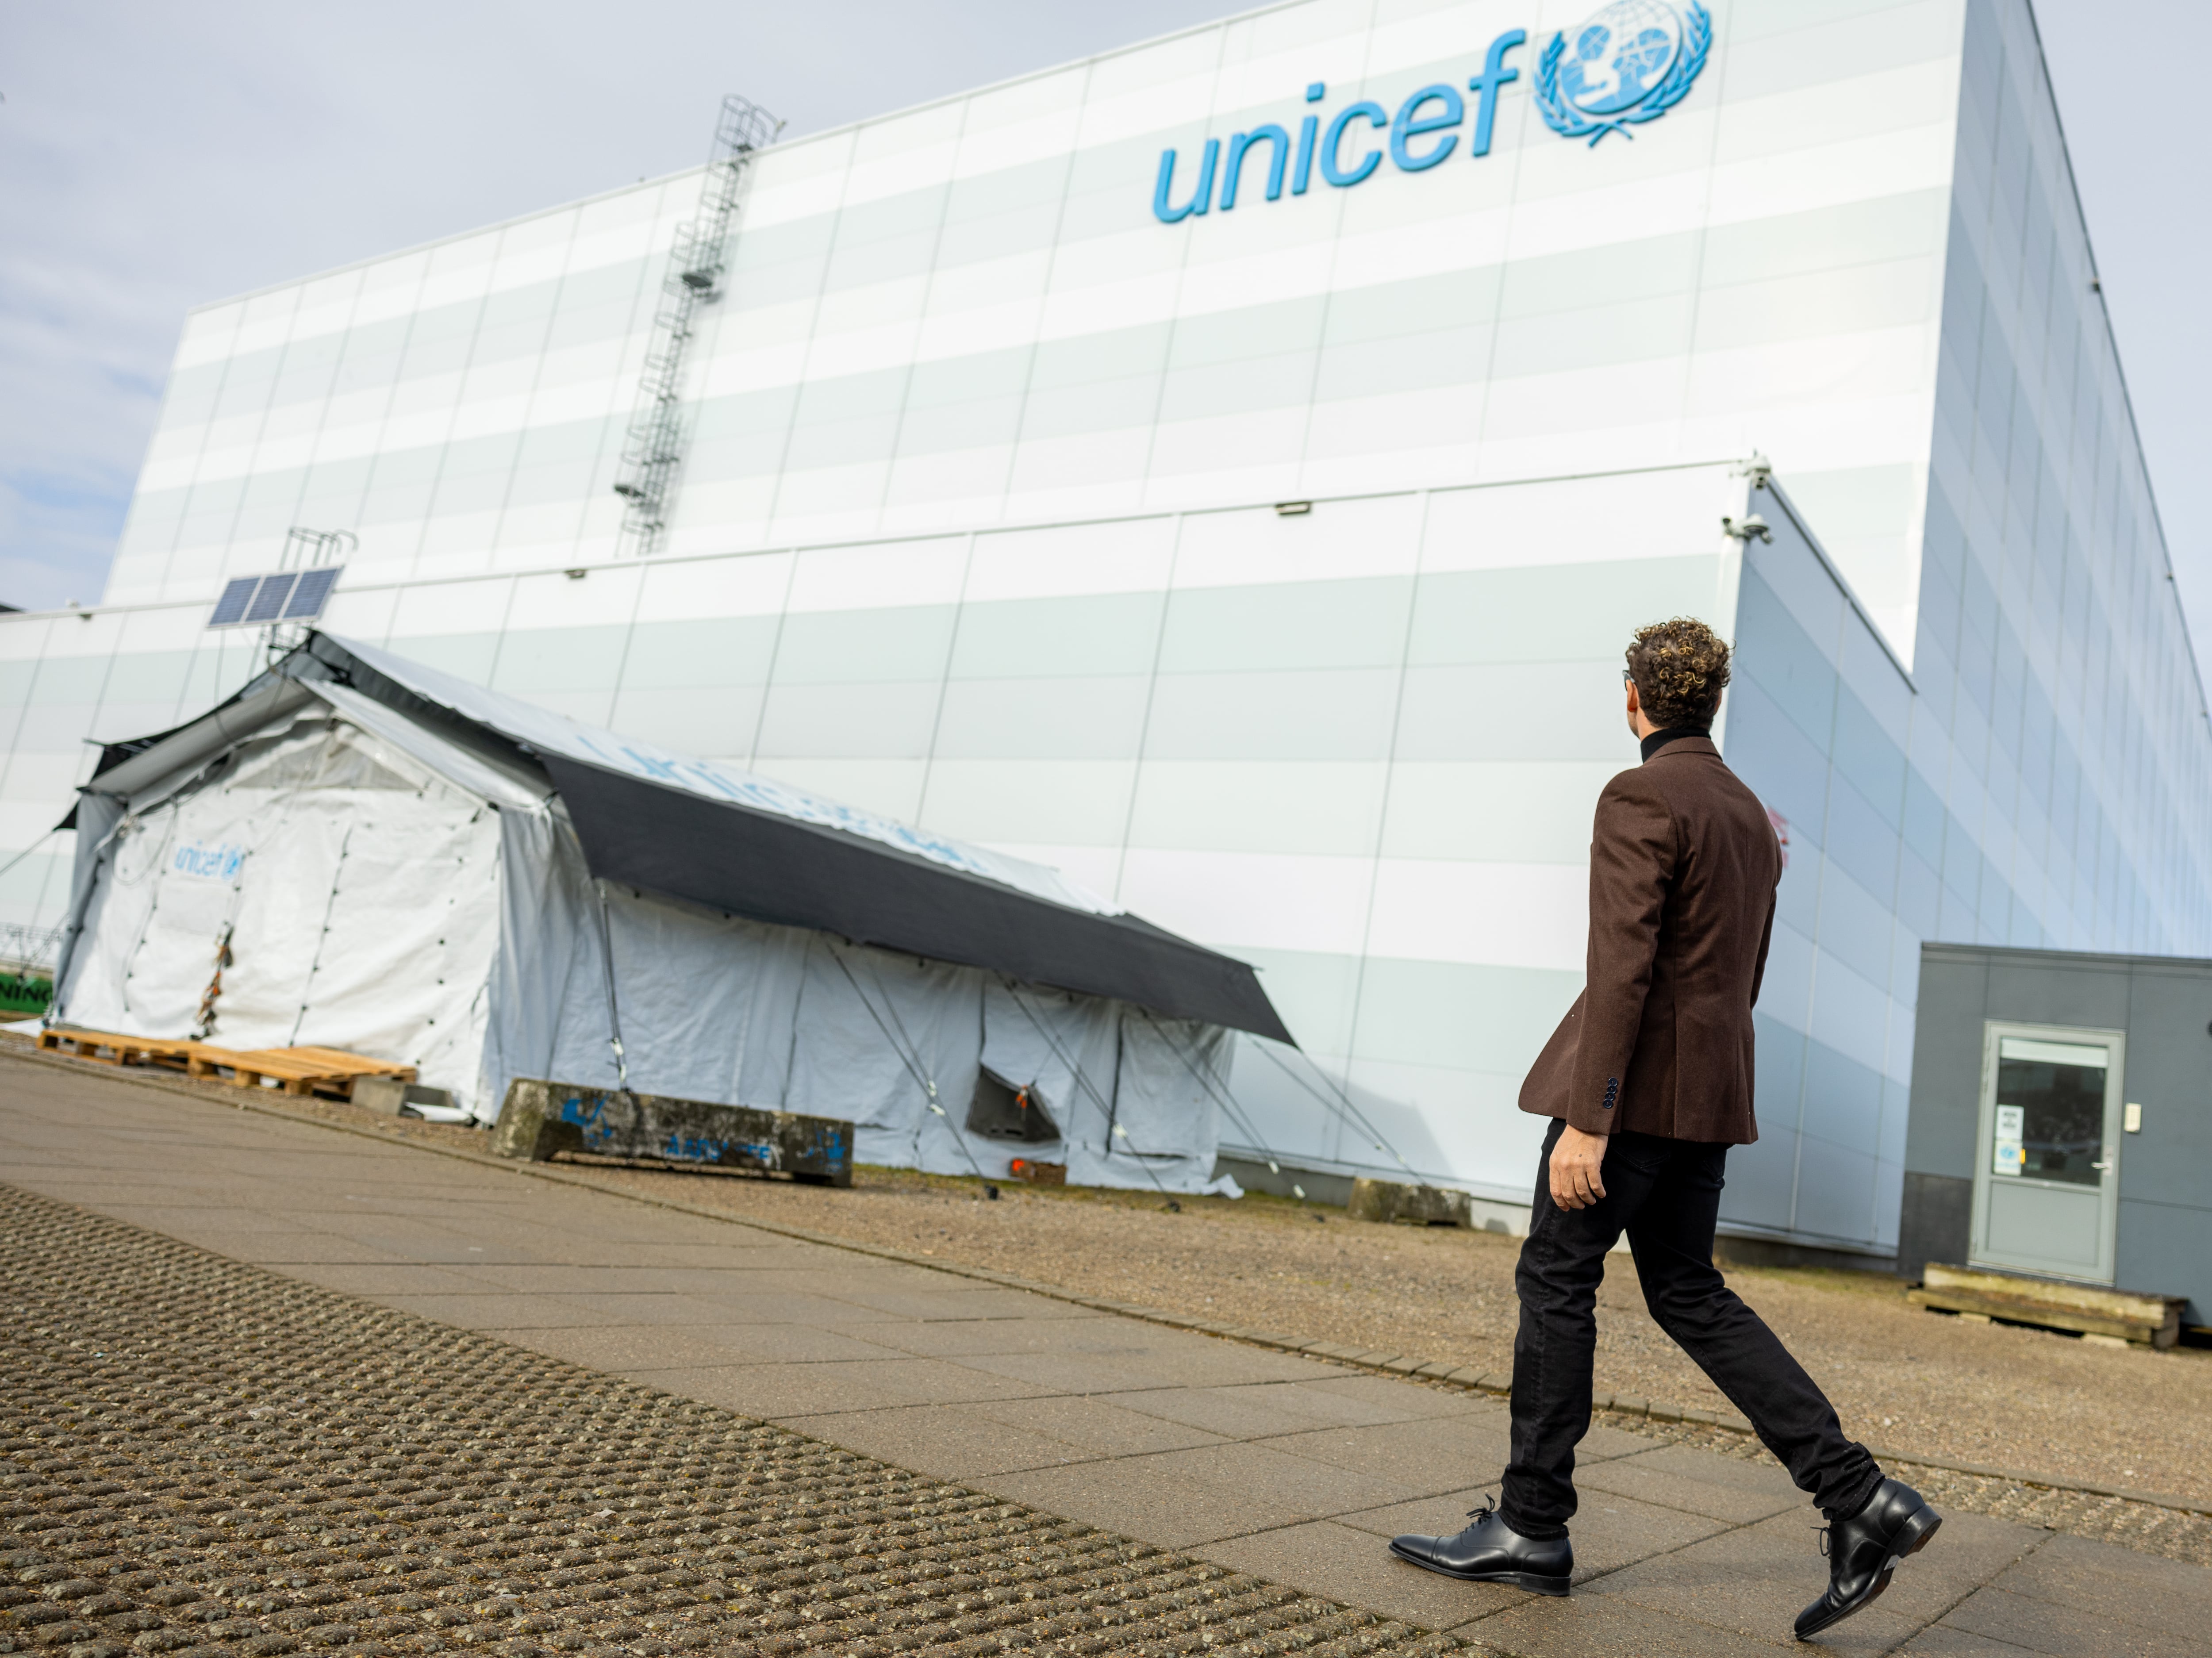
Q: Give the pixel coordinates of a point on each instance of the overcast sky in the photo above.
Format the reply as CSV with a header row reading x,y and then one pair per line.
x,y
155,156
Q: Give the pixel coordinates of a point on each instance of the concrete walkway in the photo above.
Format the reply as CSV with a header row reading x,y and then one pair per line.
x,y
1283,1466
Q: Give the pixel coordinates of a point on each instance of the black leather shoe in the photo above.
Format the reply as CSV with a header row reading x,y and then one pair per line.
x,y
1864,1550
1492,1551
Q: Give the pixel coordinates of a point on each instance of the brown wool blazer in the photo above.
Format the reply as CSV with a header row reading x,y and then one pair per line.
x,y
1683,867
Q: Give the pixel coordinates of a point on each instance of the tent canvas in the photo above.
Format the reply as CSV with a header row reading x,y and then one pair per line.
x,y
358,852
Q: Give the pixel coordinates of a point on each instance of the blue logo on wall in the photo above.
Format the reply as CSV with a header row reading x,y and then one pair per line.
x,y
1628,62
1422,132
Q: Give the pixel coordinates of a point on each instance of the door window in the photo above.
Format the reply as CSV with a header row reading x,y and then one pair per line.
x,y
2050,1119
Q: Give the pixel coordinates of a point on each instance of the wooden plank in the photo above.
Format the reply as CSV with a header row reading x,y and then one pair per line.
x,y
2050,1315
338,1060
2127,1306
314,1062
99,1046
273,1063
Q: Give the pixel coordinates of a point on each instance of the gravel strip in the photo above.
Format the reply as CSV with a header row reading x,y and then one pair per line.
x,y
201,1458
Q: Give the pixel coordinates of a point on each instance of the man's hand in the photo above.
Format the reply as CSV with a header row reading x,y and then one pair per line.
x,y
1574,1168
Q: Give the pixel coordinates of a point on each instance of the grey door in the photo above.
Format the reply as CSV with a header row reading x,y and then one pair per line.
x,y
2047,1180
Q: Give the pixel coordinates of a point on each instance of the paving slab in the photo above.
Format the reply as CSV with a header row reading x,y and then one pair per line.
x,y
2085,1575
1754,1580
773,1393
1323,1557
946,1442
1591,1626
728,1307
1943,1641
1358,1397
2065,1631
1174,1507
1265,1410
1095,1427
1312,1490
1609,1532
631,1348
1099,1372
374,1280
1281,1465
1427,1457
278,1249
974,1338
474,1311
1970,1551
1697,1483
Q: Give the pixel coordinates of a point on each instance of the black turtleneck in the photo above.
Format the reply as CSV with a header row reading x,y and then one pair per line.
x,y
1659,740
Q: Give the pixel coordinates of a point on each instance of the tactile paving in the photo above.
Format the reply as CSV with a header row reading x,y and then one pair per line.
x,y
201,1458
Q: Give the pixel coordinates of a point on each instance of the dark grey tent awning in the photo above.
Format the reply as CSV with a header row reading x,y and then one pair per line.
x,y
771,868
689,830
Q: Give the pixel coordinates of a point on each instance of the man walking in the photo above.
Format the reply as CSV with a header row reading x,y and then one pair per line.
x,y
1648,1081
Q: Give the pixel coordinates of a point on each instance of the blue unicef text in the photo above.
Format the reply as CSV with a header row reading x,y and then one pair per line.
x,y
209,863
1425,130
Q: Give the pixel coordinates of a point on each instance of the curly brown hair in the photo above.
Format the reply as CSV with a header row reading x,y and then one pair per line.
x,y
1681,667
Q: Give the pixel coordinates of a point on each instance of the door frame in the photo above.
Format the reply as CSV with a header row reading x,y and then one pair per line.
x,y
2116,1042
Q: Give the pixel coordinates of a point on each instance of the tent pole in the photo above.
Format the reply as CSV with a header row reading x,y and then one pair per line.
x,y
791,1048
614,1012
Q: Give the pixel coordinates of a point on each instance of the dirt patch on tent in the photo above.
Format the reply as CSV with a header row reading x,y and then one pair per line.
x,y
1901,1377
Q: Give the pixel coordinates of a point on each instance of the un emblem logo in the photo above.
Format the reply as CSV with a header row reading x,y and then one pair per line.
x,y
1630,62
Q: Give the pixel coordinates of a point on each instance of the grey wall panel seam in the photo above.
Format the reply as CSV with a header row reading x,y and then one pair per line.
x,y
944,682
1382,809
530,397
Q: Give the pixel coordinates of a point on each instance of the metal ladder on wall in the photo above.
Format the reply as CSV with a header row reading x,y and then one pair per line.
x,y
654,447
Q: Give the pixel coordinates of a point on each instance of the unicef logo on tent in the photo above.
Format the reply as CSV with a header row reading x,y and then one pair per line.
x,y
206,863
1630,62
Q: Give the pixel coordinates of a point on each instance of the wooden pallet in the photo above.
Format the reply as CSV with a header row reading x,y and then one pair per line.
x,y
301,1070
342,1063
2086,1309
327,1070
105,1048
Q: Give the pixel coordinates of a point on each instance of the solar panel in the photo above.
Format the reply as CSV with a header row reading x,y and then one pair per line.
x,y
268,603
313,590
230,608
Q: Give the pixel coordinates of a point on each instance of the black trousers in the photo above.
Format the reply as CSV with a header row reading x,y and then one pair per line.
x,y
1666,1195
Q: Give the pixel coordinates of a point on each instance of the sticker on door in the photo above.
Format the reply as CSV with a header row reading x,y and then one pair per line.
x,y
2011,1154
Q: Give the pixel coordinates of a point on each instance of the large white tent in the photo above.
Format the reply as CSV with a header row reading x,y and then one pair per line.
x,y
359,851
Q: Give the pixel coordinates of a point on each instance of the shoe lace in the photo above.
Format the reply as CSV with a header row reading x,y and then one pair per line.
x,y
1824,1531
1487,1509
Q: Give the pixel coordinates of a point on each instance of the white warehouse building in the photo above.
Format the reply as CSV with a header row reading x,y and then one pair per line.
x,y
1253,532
